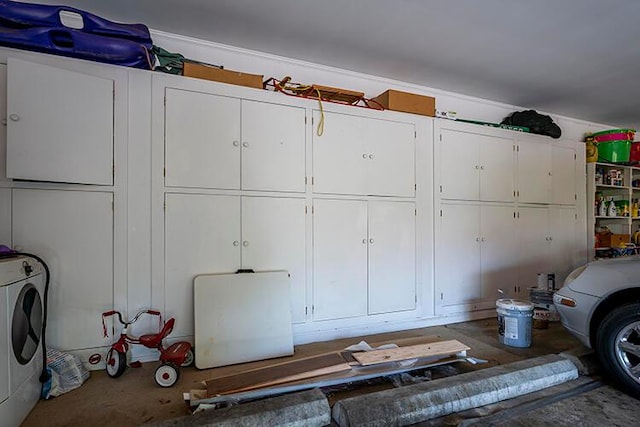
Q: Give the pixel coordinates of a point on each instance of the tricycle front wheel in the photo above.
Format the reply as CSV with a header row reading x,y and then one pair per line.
x,y
116,363
167,374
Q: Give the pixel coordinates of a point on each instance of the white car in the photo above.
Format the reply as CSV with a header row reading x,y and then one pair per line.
x,y
599,303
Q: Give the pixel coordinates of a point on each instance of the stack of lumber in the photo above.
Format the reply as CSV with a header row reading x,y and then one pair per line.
x,y
333,366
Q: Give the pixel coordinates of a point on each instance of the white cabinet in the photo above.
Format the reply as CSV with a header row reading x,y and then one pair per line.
x,y
363,156
5,216
363,258
220,234
222,142
475,166
476,252
73,232
60,125
546,173
547,236
563,174
3,121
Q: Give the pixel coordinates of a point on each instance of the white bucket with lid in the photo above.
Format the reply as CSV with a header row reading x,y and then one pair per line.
x,y
514,322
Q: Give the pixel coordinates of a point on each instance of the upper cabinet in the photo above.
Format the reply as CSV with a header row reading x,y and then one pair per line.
x,y
222,142
475,166
60,125
363,156
546,173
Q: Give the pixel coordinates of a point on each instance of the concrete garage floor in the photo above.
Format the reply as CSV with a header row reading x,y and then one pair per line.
x,y
134,399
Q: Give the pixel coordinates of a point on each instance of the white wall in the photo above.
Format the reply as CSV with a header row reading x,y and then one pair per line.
x,y
269,65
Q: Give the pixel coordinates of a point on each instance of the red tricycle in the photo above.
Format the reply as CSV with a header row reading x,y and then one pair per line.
x,y
177,354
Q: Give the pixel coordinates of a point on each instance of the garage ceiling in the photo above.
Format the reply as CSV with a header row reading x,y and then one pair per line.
x,y
578,58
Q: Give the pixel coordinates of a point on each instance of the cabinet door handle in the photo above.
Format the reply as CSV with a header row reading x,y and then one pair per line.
x,y
371,156
477,167
364,155
550,238
481,167
3,122
14,117
477,239
371,241
245,144
236,243
364,241
245,243
482,239
236,143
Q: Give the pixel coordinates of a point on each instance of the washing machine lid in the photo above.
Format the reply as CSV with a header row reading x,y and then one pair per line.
x,y
26,324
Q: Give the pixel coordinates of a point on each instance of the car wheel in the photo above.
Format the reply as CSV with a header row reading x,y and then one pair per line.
x,y
618,346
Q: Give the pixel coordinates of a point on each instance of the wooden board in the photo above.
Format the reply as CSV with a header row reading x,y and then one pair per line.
x,y
277,374
241,317
410,352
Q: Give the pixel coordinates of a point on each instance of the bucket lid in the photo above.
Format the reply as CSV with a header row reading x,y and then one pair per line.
x,y
514,304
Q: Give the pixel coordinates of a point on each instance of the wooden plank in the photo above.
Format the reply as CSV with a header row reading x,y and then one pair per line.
x,y
410,352
278,373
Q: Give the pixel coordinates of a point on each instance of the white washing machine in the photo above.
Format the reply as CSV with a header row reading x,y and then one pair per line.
x,y
21,316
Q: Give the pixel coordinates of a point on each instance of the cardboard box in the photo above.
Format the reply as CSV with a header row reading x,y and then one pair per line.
x,y
407,102
208,72
614,240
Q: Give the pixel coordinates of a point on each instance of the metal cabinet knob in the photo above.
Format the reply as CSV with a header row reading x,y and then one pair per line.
x,y
371,156
371,241
245,243
364,156
236,143
236,243
477,239
481,167
477,167
245,144
364,241
14,117
3,122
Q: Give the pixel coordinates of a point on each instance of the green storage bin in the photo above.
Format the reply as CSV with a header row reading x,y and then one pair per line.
x,y
614,151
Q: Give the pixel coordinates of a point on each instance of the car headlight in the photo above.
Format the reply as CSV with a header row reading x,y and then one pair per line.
x,y
574,274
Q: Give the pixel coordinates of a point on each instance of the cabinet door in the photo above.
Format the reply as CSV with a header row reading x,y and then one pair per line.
x,y
534,172
496,169
499,251
273,238
60,125
390,149
340,156
392,258
273,147
73,232
339,259
457,266
202,140
563,175
5,216
533,238
3,122
459,165
564,250
202,235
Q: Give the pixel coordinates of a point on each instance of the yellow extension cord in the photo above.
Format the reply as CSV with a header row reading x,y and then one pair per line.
x,y
299,90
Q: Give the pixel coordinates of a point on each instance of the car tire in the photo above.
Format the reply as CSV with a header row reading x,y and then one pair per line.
x,y
618,346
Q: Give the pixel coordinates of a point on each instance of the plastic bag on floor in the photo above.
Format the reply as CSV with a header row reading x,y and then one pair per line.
x,y
66,373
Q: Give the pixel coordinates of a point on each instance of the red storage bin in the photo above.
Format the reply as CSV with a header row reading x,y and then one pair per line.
x,y
634,155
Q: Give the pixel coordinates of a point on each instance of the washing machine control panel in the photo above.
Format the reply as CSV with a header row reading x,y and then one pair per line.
x,y
18,268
